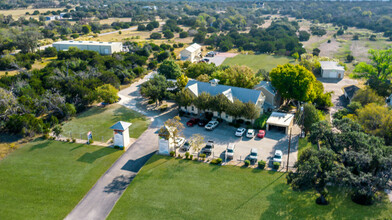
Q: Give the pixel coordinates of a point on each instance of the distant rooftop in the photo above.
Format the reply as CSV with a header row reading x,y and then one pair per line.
x,y
351,90
331,65
193,47
74,42
266,85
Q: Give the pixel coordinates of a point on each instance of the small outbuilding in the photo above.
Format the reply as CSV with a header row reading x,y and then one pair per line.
x,y
281,120
331,69
121,134
191,53
350,91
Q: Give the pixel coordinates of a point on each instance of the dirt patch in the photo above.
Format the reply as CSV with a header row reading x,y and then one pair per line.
x,y
329,49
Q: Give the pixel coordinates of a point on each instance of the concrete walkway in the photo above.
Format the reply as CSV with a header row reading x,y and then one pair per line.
x,y
100,200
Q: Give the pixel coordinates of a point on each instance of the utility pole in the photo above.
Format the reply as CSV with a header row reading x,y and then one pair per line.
x,y
288,154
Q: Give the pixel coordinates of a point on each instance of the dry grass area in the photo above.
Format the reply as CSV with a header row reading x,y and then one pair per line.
x,y
16,13
9,143
39,64
10,72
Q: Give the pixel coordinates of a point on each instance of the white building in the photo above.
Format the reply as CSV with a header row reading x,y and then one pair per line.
x,y
121,134
191,53
104,48
331,69
281,120
213,88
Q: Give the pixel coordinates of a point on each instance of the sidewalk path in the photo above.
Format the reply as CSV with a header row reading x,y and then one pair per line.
x,y
100,200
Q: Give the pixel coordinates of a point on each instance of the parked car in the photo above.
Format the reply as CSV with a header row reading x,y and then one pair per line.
x,y
261,134
179,141
253,154
211,54
206,60
230,151
278,156
192,122
186,146
202,122
211,125
209,147
250,133
239,132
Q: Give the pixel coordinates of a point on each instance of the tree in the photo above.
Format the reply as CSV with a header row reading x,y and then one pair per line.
x,y
250,111
50,52
172,128
163,56
184,98
236,109
156,35
219,103
203,78
28,40
294,82
202,101
107,93
168,34
170,69
86,29
239,76
311,116
314,169
380,67
183,34
150,27
182,80
366,96
196,69
350,58
197,142
141,27
303,36
316,52
155,88
57,130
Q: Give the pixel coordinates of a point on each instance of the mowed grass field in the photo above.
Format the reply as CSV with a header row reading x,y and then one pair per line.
x,y
260,61
46,179
100,119
168,188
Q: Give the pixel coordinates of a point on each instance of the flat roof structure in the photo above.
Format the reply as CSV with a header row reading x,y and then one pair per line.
x,y
280,119
331,65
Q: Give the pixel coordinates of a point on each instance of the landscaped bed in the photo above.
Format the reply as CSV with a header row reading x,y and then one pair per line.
x,y
168,188
46,179
100,119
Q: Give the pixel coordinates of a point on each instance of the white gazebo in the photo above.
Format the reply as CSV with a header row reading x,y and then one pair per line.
x,y
121,134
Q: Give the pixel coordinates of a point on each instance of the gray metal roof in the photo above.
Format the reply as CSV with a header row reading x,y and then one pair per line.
x,y
121,125
267,86
231,92
331,65
351,90
75,42
280,119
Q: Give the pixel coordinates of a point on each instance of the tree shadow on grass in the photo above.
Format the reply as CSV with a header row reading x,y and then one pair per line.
x,y
260,191
91,157
40,145
77,147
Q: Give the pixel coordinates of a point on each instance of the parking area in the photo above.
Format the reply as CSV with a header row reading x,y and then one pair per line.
x,y
223,134
219,58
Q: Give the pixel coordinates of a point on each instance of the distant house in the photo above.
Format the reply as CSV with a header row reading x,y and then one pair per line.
x,y
52,18
213,88
350,91
272,98
191,53
104,48
331,69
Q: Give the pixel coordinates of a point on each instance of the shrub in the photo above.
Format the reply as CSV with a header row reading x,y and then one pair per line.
x,y
247,163
45,136
179,156
116,147
172,153
216,161
276,165
187,155
90,141
180,45
73,140
68,140
191,157
261,164
203,156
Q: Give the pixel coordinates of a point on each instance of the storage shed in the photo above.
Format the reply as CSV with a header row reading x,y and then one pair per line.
x,y
331,69
191,53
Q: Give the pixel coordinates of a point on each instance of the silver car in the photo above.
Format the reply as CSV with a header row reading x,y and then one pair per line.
x,y
230,151
253,154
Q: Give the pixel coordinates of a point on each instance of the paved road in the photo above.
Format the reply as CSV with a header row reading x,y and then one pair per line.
x,y
100,200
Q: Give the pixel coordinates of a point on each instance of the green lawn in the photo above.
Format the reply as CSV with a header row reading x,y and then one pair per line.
x,y
100,119
47,179
261,61
168,188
